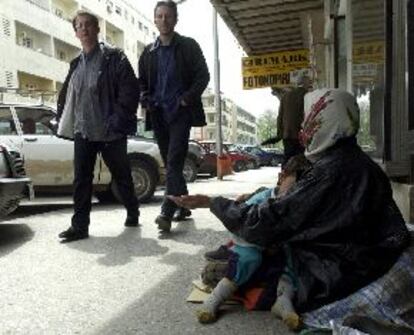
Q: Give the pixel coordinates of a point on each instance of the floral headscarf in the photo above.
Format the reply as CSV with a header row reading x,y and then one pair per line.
x,y
330,114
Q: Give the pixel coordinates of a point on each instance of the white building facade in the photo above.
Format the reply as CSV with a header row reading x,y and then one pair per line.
x,y
38,42
238,126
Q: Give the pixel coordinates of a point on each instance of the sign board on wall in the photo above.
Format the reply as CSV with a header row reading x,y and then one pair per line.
x,y
273,70
367,59
368,52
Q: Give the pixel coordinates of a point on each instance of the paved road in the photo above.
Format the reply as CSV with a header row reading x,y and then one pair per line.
x,y
121,280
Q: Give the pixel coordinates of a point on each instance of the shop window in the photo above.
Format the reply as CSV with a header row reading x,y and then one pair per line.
x,y
368,59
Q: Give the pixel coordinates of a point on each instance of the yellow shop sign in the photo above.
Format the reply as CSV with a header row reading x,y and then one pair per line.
x,y
273,69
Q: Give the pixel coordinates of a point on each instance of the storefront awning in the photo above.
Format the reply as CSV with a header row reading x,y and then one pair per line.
x,y
263,26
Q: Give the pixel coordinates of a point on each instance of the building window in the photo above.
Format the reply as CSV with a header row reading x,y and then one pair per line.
x,y
146,30
118,10
6,26
30,86
132,20
58,12
27,42
9,79
61,55
140,25
109,6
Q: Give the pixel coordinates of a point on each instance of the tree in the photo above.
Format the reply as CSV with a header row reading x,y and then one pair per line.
x,y
266,125
364,135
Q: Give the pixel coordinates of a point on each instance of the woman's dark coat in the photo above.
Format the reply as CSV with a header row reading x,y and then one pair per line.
x,y
340,221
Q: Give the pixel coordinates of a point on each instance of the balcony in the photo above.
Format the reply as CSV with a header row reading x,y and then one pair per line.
x,y
42,4
36,86
37,17
33,39
114,36
64,51
65,10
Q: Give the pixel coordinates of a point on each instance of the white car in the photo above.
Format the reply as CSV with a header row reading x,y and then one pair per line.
x,y
49,159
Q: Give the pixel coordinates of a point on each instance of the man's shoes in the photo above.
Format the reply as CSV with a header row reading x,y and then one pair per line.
x,y
163,222
221,254
131,222
72,234
181,214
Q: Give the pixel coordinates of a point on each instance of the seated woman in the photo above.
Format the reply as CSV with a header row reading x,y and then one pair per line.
x,y
339,225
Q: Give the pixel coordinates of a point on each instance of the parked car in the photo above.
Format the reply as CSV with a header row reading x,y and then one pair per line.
x,y
208,159
253,162
193,161
49,159
239,161
266,158
14,184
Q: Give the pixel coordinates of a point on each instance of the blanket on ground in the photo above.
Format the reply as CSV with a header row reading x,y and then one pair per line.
x,y
388,298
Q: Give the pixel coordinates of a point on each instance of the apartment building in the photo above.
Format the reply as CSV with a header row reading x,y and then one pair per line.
x,y
238,125
244,128
37,40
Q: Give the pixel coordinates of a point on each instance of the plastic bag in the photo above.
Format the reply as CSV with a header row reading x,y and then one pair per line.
x,y
338,329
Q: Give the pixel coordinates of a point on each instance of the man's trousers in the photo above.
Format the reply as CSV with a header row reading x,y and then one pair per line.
x,y
114,154
172,138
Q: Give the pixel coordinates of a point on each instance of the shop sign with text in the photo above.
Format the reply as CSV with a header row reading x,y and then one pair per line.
x,y
368,52
273,70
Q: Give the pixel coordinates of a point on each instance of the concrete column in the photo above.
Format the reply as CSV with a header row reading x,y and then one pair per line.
x,y
349,41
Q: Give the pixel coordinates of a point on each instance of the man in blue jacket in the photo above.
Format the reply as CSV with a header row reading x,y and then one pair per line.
x,y
97,108
173,75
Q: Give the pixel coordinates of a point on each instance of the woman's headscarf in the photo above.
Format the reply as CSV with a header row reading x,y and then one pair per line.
x,y
330,115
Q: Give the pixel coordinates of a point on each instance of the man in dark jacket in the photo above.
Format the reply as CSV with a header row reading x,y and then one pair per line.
x,y
290,118
97,108
173,75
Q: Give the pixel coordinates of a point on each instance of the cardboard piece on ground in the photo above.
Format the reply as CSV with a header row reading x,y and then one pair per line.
x,y
198,295
201,286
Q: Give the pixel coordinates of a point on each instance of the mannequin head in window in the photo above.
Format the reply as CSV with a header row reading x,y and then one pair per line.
x,y
29,126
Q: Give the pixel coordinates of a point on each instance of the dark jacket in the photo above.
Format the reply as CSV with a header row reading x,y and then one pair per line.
x,y
193,72
340,221
291,113
118,92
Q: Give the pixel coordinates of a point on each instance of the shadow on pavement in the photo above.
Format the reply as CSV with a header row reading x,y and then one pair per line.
x,y
28,210
12,236
164,310
121,249
190,232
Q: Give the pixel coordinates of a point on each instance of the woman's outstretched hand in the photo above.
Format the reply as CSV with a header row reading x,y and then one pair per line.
x,y
191,201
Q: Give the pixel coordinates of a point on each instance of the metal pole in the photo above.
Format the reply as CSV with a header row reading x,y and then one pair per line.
x,y
217,97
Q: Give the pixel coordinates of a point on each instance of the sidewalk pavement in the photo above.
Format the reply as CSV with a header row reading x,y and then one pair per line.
x,y
120,280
